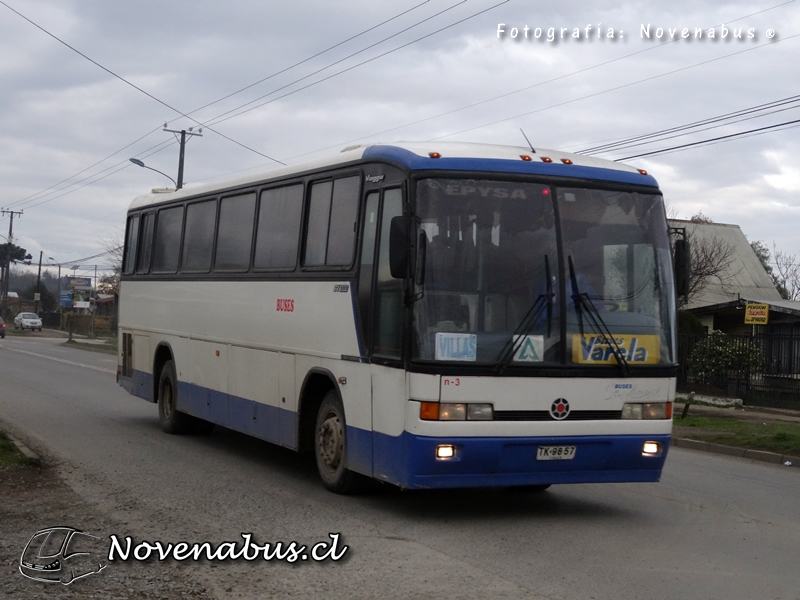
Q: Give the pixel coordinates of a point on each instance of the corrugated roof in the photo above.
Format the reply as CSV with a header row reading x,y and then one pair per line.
x,y
745,276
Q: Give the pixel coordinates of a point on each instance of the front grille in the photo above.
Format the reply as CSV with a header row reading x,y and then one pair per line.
x,y
543,415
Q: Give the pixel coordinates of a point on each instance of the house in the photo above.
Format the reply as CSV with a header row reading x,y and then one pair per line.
x,y
721,303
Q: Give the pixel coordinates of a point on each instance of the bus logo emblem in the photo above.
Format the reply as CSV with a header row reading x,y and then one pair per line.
x,y
559,409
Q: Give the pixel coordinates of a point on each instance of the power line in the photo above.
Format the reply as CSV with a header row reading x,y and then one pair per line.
x,y
711,140
363,32
753,112
133,85
218,119
619,87
313,56
517,91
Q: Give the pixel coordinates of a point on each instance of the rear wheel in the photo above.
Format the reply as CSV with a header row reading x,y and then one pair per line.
x,y
330,448
171,419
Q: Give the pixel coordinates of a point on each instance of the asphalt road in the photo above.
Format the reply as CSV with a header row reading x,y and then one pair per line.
x,y
714,527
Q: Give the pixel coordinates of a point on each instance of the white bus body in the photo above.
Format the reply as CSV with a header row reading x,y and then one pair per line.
x,y
515,386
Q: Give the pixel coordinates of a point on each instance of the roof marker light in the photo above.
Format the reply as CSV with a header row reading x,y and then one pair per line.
x,y
434,155
642,171
566,161
525,157
547,159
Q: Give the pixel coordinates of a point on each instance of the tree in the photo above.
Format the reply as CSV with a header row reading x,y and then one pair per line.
x,y
700,218
47,300
762,252
13,252
712,260
109,284
788,274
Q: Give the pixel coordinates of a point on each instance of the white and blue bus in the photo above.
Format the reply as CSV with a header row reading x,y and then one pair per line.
x,y
431,315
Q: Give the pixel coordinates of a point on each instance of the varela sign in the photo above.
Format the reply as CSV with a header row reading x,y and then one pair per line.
x,y
756,314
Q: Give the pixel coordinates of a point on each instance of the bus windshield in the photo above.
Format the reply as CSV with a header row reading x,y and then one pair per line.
x,y
526,274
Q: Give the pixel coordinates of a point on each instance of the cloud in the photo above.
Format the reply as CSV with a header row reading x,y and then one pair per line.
x,y
61,115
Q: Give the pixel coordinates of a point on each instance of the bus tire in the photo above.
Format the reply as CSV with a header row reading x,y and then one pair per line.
x,y
171,419
330,448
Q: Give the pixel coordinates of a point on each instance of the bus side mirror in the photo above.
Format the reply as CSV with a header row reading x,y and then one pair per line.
x,y
402,247
683,266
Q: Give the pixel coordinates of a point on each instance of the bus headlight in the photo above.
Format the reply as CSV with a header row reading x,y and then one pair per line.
x,y
647,411
651,449
449,411
452,412
445,451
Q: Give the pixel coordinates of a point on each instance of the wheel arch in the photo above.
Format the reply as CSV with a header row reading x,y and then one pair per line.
x,y
316,384
162,354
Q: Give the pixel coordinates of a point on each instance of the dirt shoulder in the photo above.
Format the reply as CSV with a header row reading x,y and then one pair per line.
x,y
34,498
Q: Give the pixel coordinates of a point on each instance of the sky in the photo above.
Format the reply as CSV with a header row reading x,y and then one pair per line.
x,y
88,84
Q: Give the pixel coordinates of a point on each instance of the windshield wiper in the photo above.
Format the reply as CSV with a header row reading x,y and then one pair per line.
x,y
582,300
514,343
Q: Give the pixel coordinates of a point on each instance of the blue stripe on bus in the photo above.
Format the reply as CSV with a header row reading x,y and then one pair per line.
x,y
534,167
408,460
270,423
142,385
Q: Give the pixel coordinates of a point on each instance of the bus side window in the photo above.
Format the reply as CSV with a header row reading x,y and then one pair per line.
x,y
168,240
332,212
131,243
235,232
367,264
198,236
145,245
279,215
389,291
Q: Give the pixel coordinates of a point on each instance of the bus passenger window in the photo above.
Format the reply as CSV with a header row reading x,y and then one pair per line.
x,y
278,230
235,233
131,242
332,213
168,240
198,237
145,245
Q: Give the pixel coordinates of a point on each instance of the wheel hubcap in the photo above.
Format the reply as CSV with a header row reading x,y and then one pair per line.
x,y
331,442
166,396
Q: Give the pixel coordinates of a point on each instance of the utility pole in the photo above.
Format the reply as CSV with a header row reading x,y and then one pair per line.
x,y
183,133
38,293
10,241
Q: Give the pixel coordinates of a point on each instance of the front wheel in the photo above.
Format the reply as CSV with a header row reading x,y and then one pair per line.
x,y
171,419
330,448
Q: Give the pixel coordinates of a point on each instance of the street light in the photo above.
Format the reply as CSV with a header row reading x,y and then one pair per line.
x,y
139,163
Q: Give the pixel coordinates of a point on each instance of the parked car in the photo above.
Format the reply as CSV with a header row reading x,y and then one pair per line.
x,y
28,321
2,329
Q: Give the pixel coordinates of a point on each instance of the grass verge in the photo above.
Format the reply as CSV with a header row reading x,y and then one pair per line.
x,y
781,438
9,454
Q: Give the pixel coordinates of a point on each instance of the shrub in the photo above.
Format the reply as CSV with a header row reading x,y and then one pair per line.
x,y
719,354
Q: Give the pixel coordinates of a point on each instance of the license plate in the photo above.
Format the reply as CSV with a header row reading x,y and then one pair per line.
x,y
555,452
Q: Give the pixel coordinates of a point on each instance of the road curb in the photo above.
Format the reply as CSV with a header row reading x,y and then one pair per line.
x,y
770,457
29,454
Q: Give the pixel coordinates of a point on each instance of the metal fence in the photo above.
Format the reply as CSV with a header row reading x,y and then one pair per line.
x,y
761,369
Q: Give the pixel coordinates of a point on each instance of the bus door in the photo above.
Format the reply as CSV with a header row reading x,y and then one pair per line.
x,y
381,307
